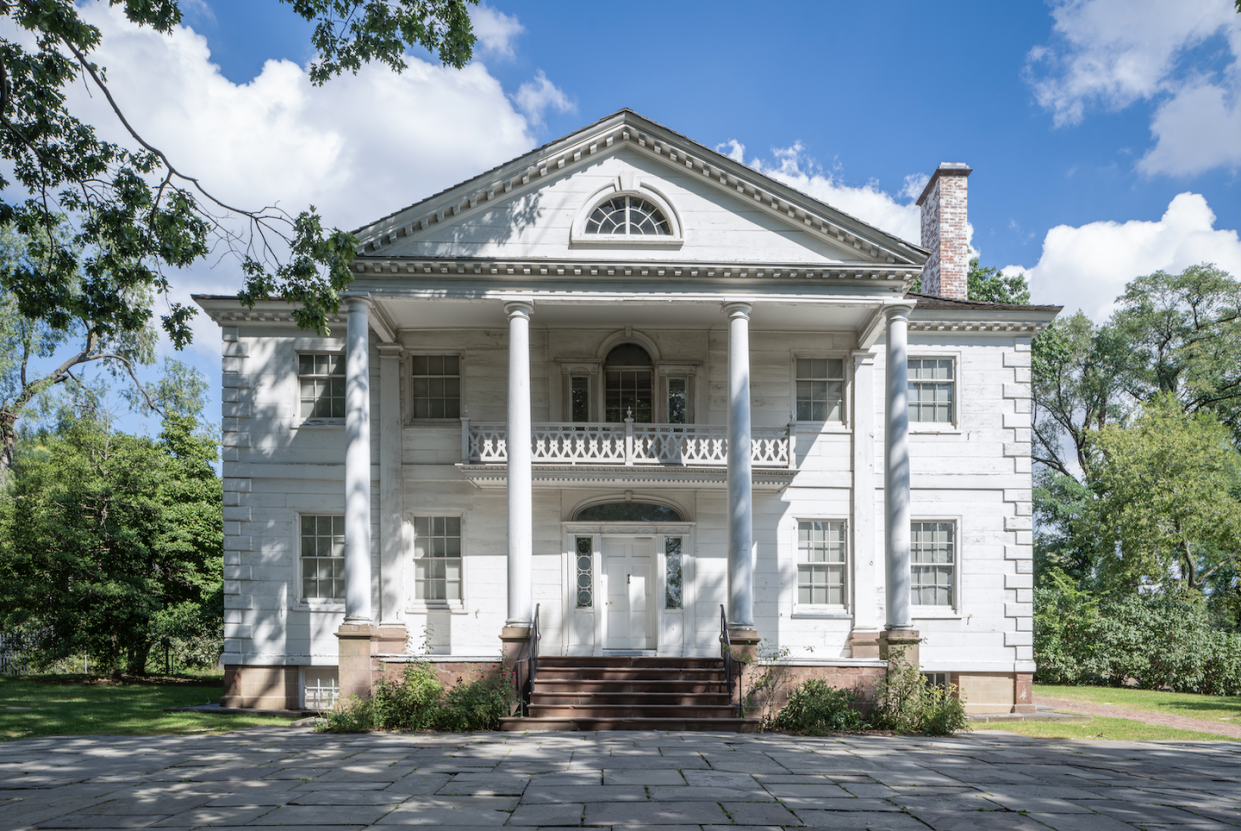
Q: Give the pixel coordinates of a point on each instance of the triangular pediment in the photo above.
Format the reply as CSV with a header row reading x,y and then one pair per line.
x,y
534,207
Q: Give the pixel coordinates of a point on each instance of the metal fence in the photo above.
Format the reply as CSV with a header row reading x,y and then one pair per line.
x,y
15,653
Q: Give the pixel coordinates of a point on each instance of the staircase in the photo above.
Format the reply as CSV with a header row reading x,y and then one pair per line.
x,y
630,693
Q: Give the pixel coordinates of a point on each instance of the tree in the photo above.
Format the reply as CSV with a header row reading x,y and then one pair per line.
x,y
1170,497
101,224
112,541
990,285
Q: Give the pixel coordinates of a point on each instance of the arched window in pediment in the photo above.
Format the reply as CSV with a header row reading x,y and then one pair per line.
x,y
628,216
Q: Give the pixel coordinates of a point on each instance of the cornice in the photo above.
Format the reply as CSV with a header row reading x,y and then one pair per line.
x,y
495,477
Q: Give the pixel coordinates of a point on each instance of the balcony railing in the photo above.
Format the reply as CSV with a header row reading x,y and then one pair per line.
x,y
627,444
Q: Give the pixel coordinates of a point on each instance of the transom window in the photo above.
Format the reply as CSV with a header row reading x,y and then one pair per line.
x,y
628,512
820,389
821,551
321,385
931,390
628,215
437,558
932,562
436,386
323,557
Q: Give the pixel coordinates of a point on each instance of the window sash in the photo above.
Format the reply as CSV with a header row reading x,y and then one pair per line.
x,y
435,386
438,565
932,554
322,556
627,390
321,386
932,390
678,400
819,389
822,562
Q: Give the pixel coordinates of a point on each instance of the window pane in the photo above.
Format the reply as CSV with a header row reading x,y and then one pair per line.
x,y
672,576
821,556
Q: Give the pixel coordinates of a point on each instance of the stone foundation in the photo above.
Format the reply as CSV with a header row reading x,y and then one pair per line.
x,y
263,688
992,692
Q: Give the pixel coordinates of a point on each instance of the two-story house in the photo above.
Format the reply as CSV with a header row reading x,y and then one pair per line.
x,y
634,384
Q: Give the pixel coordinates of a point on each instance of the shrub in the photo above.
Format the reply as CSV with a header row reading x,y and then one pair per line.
x,y
906,703
815,709
417,701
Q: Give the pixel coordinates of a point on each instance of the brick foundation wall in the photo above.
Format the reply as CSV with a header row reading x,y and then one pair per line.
x,y
449,673
769,700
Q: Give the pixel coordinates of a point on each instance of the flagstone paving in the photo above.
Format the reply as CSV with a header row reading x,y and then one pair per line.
x,y
289,778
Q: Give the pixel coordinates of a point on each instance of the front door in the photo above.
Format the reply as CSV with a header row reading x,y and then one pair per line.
x,y
629,569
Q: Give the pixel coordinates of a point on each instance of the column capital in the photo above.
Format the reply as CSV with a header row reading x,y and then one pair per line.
x,y
515,308
738,310
358,302
898,311
389,350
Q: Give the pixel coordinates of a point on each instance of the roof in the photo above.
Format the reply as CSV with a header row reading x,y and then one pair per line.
x,y
931,301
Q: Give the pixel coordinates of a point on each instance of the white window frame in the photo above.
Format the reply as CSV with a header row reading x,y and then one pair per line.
x,y
318,604
415,605
953,610
830,610
319,672
953,426
407,385
627,185
311,421
846,389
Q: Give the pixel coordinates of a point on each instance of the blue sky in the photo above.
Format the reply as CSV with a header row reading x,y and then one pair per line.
x,y
1105,135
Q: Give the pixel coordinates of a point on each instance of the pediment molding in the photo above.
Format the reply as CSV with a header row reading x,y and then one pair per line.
x,y
627,129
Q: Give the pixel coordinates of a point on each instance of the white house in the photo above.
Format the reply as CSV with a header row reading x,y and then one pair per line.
x,y
629,380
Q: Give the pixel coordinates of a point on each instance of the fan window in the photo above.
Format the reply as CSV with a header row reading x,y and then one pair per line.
x,y
630,216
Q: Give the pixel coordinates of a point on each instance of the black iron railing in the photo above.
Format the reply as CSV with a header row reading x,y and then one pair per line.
x,y
525,680
726,649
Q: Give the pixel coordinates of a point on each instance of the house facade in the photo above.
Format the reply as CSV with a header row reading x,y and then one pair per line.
x,y
640,388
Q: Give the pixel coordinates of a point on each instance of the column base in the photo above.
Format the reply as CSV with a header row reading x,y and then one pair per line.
x,y
357,644
863,644
900,642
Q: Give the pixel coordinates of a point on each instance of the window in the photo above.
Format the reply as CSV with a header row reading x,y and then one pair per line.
x,y
322,689
821,553
820,389
932,562
579,398
323,557
436,386
931,390
672,573
678,400
627,372
628,512
628,215
585,572
321,384
437,558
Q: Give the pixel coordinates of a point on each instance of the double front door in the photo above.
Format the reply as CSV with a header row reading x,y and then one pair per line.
x,y
629,571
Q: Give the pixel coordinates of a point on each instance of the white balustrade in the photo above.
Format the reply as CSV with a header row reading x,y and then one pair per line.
x,y
627,443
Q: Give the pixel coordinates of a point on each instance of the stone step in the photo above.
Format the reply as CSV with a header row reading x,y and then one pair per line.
x,y
723,725
621,711
696,699
628,674
627,661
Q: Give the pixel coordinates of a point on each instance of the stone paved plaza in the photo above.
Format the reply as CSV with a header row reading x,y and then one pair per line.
x,y
297,779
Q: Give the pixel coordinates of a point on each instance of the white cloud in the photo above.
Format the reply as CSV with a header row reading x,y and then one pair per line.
x,y
495,30
1110,54
868,202
539,95
1087,267
358,147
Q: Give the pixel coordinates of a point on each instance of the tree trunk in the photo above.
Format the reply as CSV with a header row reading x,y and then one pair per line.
x,y
8,438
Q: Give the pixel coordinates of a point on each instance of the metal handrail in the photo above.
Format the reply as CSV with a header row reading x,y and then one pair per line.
x,y
726,647
525,689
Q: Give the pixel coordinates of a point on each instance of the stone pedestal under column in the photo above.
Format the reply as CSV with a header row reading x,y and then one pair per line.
x,y
1023,693
902,640
514,644
864,644
391,639
357,643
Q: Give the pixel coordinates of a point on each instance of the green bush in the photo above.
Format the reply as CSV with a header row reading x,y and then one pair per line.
x,y
906,703
417,701
815,709
1155,640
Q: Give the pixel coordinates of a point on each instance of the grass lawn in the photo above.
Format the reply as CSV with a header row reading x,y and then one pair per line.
x,y
66,705
1224,708
1099,728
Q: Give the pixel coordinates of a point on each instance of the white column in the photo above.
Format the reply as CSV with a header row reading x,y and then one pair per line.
x,y
740,480
358,462
896,469
520,497
391,587
865,507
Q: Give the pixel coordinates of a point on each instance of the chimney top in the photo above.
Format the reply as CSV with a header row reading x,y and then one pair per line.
x,y
944,169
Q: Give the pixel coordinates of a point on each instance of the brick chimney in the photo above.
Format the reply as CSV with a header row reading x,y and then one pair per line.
x,y
944,232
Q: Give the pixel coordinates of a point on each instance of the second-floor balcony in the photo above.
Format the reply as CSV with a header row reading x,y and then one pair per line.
x,y
627,444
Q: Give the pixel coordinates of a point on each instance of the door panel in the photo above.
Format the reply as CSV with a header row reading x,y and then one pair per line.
x,y
629,566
